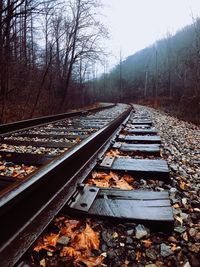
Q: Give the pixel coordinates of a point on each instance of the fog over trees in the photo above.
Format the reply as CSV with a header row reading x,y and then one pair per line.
x,y
48,52
46,48
168,71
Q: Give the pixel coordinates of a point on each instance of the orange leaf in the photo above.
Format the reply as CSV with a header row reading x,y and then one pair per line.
x,y
138,256
88,239
128,178
2,167
182,185
40,246
78,139
70,252
47,243
91,261
113,153
122,184
173,246
98,183
147,243
51,240
185,236
176,206
70,225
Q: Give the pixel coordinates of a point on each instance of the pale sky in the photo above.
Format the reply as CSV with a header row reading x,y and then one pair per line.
x,y
135,24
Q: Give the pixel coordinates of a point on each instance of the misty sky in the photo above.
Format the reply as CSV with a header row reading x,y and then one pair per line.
x,y
135,24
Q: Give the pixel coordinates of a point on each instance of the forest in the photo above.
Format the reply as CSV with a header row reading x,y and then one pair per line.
x,y
165,74
48,52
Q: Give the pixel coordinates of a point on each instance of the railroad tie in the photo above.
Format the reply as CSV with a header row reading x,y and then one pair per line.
x,y
138,137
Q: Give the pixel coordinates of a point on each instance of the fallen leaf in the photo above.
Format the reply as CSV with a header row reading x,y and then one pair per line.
x,y
48,243
113,153
138,256
129,179
2,168
176,206
70,252
69,228
78,139
122,184
115,235
178,219
102,179
98,183
90,261
147,243
182,185
51,239
185,236
173,246
43,263
88,239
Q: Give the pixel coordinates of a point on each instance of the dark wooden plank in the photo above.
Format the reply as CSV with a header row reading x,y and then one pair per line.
x,y
37,144
101,121
131,209
141,131
96,119
153,149
81,125
7,178
70,130
140,117
55,136
147,207
88,123
6,181
133,194
140,126
136,121
4,184
145,139
142,203
25,158
147,167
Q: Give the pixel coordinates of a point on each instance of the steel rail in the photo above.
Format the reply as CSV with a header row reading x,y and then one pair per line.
x,y
24,124
32,204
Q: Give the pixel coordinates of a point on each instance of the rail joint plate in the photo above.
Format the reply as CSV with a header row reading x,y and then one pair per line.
x,y
83,198
107,162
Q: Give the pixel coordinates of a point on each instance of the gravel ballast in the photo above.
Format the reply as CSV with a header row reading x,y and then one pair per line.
x,y
131,244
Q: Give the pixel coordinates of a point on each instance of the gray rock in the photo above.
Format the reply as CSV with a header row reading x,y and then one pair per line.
x,y
180,229
130,232
129,240
151,253
63,240
141,231
111,254
173,190
165,250
131,255
174,168
108,239
195,204
193,232
184,216
187,264
104,247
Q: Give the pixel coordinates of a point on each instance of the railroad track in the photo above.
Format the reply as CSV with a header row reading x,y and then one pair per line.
x,y
24,144
30,182
93,177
